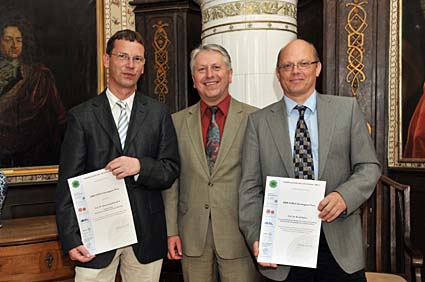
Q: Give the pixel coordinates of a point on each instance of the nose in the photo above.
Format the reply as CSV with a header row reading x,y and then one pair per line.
x,y
130,62
295,68
209,72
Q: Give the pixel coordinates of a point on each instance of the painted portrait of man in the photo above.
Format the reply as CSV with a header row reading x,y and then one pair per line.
x,y
32,115
413,83
48,64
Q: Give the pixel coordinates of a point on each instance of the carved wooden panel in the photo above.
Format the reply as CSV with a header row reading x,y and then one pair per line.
x,y
350,52
171,31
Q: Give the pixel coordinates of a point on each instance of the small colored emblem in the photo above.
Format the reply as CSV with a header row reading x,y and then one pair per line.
x,y
75,183
273,184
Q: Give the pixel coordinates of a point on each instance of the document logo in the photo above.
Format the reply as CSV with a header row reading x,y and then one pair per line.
x,y
270,211
273,184
75,183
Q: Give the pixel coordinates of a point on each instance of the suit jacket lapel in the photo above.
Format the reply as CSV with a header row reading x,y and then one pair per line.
x,y
138,114
194,128
278,124
103,113
326,117
231,127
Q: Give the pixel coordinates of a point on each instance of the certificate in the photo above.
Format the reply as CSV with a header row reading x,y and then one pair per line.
x,y
103,211
290,226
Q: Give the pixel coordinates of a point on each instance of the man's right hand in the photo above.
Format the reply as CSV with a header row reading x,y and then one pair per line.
x,y
256,251
174,248
80,254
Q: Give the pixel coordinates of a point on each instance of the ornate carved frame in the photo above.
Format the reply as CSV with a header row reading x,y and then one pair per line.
x,y
395,144
49,174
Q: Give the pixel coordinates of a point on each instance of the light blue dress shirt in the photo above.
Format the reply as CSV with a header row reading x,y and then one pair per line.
x,y
310,117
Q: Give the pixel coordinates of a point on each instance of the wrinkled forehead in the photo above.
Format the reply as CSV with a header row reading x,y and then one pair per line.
x,y
209,57
297,51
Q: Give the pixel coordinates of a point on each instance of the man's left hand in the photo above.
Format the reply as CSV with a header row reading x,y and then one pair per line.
x,y
124,166
331,207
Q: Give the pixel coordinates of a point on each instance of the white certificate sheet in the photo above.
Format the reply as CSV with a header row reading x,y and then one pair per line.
x,y
103,211
290,226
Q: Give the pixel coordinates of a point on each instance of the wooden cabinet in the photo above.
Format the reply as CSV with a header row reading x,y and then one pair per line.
x,y
30,251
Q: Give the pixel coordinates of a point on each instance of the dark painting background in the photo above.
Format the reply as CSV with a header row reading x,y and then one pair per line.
x,y
413,60
65,40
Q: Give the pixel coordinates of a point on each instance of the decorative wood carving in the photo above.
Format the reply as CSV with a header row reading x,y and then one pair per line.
x,y
171,29
160,45
349,64
355,27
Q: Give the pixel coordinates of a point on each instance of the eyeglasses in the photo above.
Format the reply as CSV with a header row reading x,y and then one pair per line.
x,y
300,66
126,57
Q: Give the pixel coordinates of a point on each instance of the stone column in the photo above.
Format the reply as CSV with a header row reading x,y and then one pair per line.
x,y
253,31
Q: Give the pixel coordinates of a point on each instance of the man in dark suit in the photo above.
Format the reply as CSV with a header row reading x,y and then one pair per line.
x,y
340,152
147,158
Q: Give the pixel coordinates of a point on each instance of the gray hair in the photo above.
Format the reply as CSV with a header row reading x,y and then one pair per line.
x,y
210,47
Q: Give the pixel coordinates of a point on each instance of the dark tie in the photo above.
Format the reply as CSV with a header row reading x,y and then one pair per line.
x,y
303,156
213,139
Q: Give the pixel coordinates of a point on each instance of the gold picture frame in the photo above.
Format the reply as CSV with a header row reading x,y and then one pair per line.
x,y
398,122
49,174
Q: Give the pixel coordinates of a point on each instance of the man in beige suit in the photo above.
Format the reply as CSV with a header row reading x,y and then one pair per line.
x,y
202,206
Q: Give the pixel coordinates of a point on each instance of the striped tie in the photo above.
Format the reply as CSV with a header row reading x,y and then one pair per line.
x,y
122,122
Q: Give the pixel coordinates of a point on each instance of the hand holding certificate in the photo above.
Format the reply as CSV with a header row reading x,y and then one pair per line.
x,y
103,211
290,226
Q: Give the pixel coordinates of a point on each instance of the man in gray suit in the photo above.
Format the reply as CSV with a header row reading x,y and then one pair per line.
x,y
202,205
343,156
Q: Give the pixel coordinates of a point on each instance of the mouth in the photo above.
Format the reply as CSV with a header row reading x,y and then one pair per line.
x,y
210,83
296,80
126,74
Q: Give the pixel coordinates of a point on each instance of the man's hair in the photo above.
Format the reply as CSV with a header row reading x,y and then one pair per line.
x,y
315,53
13,17
210,47
125,34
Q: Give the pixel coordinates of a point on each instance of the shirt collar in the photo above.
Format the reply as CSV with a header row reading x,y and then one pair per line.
x,y
309,103
113,99
223,106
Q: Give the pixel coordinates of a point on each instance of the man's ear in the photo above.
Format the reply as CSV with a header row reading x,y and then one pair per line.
x,y
105,60
318,68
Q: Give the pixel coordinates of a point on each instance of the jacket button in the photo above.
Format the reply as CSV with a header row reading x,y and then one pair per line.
x,y
210,184
206,206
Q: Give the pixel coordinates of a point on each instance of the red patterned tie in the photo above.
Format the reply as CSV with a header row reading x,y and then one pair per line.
x,y
213,139
303,156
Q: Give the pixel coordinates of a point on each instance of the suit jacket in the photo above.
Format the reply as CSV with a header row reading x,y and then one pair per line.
x,y
197,195
347,163
92,140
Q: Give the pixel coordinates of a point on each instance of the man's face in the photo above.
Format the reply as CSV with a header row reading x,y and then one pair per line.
x,y
211,77
11,42
126,64
298,83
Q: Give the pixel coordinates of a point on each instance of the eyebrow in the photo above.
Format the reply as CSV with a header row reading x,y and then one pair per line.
x,y
125,53
11,37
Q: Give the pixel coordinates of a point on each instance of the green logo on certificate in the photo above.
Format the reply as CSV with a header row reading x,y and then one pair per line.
x,y
75,183
273,184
